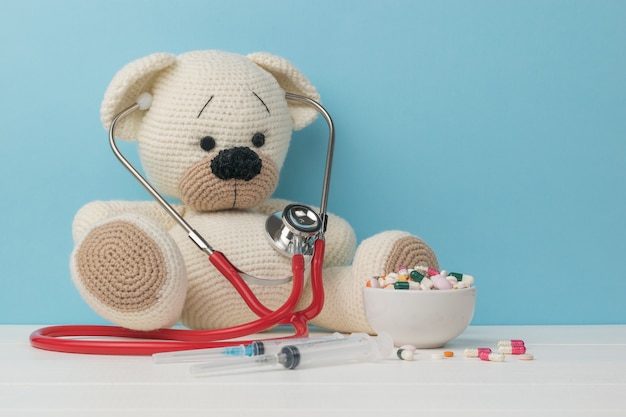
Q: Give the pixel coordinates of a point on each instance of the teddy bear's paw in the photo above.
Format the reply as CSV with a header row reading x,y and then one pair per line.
x,y
343,308
130,271
386,251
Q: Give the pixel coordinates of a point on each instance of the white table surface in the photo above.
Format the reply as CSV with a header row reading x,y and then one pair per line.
x,y
577,371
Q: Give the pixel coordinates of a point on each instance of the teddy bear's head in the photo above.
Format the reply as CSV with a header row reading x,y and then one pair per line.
x,y
219,126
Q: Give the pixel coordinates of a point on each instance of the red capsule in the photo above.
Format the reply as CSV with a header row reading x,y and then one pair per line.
x,y
513,342
513,350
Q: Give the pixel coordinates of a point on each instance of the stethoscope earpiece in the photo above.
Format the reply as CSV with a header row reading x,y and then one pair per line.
x,y
144,101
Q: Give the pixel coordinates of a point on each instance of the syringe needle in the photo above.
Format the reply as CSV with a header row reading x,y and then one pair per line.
x,y
358,347
255,348
203,354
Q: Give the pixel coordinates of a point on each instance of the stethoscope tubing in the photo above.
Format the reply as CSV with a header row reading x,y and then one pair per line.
x,y
77,338
73,338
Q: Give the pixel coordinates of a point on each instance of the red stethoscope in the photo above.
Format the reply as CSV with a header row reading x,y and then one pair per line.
x,y
297,231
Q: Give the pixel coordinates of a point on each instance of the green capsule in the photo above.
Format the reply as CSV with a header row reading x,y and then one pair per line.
x,y
456,275
401,285
416,276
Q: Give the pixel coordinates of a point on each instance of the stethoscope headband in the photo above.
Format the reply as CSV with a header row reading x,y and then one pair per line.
x,y
291,231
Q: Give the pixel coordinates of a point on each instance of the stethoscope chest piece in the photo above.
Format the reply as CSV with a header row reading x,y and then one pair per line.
x,y
294,229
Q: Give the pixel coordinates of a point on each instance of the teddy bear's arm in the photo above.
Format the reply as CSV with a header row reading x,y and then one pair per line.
x,y
340,242
96,211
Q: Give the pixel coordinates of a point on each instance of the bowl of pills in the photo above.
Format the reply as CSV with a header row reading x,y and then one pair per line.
x,y
420,306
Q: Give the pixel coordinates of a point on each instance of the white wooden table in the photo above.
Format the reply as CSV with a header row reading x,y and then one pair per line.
x,y
577,371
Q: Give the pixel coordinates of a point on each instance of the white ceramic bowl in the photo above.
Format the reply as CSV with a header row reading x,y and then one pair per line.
x,y
425,319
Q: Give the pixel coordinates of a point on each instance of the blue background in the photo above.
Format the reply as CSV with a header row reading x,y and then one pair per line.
x,y
495,130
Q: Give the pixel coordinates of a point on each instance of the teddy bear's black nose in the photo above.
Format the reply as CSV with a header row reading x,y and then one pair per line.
x,y
236,163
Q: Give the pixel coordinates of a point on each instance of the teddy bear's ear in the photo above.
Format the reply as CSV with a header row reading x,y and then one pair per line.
x,y
292,81
129,82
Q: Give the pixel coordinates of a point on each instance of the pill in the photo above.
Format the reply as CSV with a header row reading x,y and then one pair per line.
x,y
403,273
373,283
474,353
426,270
526,357
405,354
391,278
416,276
448,354
408,347
513,350
401,285
436,355
415,285
432,272
513,342
441,283
468,279
426,284
492,357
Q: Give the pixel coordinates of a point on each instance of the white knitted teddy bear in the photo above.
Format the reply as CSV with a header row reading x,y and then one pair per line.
x,y
210,110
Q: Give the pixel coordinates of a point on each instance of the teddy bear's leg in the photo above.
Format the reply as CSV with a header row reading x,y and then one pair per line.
x,y
343,286
130,271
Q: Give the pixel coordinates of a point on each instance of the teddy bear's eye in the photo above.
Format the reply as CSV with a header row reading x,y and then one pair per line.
x,y
258,139
207,143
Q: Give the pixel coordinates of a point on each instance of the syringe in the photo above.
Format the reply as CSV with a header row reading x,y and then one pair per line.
x,y
358,347
255,348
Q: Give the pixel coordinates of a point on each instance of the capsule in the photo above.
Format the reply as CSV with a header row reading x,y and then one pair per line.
x,y
492,357
512,350
512,342
405,354
475,353
415,276
401,285
462,277
426,284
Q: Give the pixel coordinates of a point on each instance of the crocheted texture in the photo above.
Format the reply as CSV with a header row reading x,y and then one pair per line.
x,y
130,271
344,310
133,266
204,191
238,163
410,251
227,97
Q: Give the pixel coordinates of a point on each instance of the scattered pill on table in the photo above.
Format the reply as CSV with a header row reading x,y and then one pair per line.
x,y
492,357
526,357
405,354
513,342
448,354
512,350
475,352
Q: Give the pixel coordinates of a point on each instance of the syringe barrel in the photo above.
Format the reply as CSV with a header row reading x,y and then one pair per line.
x,y
359,347
356,347
273,346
